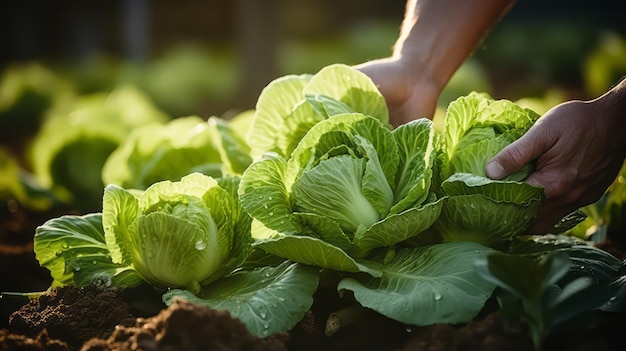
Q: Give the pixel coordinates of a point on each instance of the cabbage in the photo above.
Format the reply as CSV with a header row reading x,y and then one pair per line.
x,y
350,186
176,234
73,144
157,152
490,212
289,106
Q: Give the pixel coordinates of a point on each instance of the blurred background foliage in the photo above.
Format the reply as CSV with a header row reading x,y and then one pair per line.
x,y
206,57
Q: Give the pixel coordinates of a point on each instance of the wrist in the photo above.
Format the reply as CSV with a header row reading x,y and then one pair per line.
x,y
612,106
420,76
423,66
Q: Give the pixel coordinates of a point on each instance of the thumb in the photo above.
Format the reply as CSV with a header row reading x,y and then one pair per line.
x,y
515,156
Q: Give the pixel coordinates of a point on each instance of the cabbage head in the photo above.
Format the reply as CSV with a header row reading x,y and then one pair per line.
x,y
351,185
177,234
74,142
184,145
487,211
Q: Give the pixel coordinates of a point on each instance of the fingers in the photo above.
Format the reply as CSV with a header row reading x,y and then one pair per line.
x,y
517,154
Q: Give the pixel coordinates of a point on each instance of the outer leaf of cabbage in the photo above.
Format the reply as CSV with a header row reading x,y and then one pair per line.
x,y
233,150
289,106
518,193
267,299
264,195
427,285
276,101
73,248
483,220
353,88
153,153
317,252
396,228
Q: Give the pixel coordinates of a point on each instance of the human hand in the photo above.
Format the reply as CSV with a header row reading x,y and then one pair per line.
x,y
408,96
579,149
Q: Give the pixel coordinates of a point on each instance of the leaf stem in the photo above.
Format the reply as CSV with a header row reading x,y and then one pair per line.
x,y
343,318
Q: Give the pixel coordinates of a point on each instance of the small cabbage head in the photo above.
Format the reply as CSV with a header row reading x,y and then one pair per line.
x,y
73,144
178,234
157,152
480,209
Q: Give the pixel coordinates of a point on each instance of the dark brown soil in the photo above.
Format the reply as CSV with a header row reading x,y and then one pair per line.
x,y
88,320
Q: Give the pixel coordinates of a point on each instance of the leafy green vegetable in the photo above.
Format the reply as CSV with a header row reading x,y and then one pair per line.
x,y
157,152
21,186
427,285
27,91
74,250
176,234
313,178
551,280
267,299
351,186
289,106
487,211
73,144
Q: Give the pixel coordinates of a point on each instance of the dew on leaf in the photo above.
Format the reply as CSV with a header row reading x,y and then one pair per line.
x,y
201,244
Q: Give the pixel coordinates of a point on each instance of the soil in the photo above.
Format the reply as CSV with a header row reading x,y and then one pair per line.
x,y
89,320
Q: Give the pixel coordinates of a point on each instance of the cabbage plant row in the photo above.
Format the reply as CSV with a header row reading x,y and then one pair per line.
x,y
243,215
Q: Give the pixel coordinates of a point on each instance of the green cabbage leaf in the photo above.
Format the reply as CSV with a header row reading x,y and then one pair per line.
x,y
289,106
158,152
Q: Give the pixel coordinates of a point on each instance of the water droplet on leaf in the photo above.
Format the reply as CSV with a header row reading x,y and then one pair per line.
x,y
201,244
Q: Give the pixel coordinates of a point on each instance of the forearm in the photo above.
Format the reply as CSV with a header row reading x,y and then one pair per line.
x,y
438,35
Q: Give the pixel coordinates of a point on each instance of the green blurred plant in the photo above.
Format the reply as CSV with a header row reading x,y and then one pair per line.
x,y
69,151
605,64
550,281
27,90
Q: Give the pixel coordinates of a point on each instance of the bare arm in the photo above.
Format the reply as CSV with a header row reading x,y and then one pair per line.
x,y
436,36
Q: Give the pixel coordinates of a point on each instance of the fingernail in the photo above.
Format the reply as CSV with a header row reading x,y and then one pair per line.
x,y
494,170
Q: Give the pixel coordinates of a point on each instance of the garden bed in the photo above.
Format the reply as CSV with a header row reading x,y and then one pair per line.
x,y
85,319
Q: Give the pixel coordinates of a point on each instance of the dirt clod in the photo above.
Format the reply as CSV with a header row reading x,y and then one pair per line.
x,y
184,326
